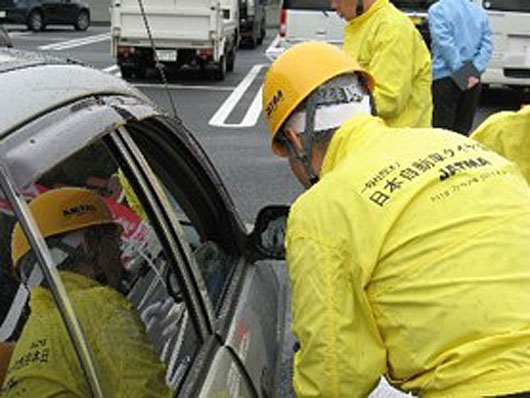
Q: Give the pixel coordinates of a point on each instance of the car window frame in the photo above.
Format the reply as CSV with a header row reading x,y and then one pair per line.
x,y
205,187
157,205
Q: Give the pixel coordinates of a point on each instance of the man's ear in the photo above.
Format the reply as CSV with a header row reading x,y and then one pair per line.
x,y
295,138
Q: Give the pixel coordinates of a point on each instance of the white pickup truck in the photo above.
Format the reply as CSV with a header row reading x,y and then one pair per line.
x,y
197,33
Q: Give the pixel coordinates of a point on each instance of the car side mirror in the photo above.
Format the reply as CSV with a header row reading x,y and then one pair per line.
x,y
268,236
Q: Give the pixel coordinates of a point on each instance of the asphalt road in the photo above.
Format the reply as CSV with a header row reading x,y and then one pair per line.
x,y
226,119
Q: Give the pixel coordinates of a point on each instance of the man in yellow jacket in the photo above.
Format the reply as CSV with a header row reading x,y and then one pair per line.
x,y
508,133
386,43
408,254
85,243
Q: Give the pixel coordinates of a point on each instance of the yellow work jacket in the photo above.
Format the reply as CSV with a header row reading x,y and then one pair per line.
x,y
411,257
44,363
387,44
508,133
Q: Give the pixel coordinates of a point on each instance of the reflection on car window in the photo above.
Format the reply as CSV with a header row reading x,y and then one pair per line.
x,y
117,277
211,257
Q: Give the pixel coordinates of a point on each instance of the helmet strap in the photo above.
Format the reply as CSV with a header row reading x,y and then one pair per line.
x,y
359,8
309,136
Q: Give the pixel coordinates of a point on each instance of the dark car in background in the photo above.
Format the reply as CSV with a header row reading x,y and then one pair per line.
x,y
37,14
252,22
5,41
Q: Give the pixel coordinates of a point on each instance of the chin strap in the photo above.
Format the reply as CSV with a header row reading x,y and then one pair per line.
x,y
309,132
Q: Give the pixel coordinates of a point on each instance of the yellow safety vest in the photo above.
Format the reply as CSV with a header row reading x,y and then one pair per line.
x,y
386,43
508,133
411,258
44,363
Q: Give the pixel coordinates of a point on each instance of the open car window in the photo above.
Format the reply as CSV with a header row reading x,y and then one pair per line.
x,y
121,283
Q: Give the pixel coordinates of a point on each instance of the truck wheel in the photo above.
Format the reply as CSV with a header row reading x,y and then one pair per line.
x,y
83,21
262,33
220,72
231,60
128,72
251,43
36,21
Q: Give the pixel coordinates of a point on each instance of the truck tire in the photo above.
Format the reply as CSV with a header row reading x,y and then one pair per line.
x,y
262,32
220,71
231,60
128,72
251,42
36,21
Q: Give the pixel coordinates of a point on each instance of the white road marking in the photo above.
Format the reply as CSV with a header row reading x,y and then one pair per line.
x,y
273,44
252,115
19,34
64,45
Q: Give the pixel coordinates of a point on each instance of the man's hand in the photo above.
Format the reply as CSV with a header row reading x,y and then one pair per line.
x,y
472,81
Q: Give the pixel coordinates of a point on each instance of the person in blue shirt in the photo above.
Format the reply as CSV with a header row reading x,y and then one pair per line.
x,y
461,50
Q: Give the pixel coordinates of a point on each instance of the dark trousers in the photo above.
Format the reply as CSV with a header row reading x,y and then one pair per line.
x,y
454,109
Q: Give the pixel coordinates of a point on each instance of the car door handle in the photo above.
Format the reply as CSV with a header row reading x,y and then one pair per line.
x,y
321,32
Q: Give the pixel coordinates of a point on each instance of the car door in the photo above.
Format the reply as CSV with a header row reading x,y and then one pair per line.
x,y
69,11
51,10
187,276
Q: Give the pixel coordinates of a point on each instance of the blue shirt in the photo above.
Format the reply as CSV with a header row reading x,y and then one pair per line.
x,y
460,32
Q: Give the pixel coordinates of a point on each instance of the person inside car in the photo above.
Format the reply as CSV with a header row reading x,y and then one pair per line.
x,y
408,253
386,43
85,244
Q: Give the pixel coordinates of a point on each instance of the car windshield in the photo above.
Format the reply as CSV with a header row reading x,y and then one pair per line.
x,y
420,5
507,5
319,5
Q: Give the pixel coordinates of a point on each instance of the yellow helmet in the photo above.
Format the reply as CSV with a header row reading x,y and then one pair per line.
x,y
298,72
59,211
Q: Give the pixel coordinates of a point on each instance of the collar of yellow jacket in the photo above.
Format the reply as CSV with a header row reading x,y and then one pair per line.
x,y
349,136
379,4
72,282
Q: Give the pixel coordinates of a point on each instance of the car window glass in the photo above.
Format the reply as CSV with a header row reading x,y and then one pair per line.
x,y
119,279
177,180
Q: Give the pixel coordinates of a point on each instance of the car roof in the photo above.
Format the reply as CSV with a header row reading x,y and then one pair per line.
x,y
38,82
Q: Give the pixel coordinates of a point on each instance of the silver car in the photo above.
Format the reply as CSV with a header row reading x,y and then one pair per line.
x,y
182,244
